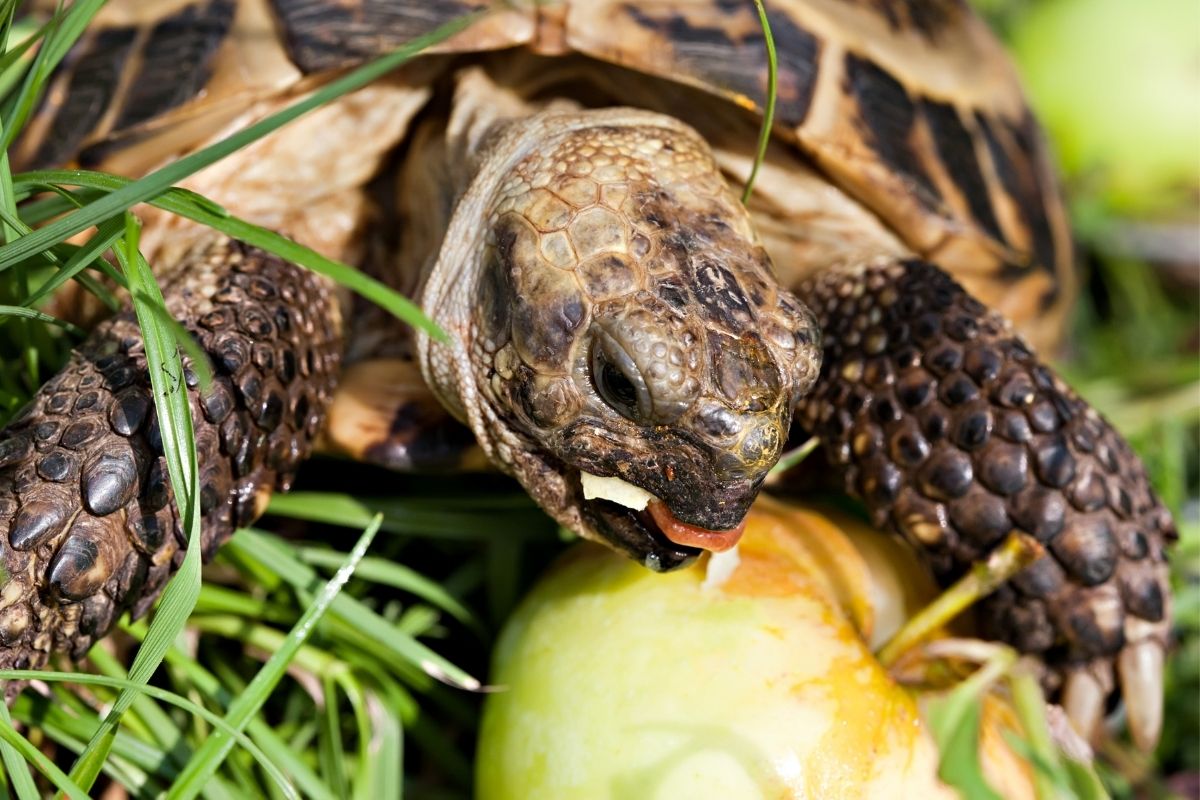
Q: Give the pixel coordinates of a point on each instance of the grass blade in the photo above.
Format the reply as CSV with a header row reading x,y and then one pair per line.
x,y
50,716
16,53
794,457
30,313
331,751
61,33
398,576
954,720
276,750
160,180
385,767
26,750
195,207
362,723
201,365
15,767
768,121
206,761
30,342
223,727
411,516
153,723
173,407
372,626
104,238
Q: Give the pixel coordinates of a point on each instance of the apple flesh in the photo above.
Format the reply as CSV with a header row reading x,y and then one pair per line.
x,y
615,682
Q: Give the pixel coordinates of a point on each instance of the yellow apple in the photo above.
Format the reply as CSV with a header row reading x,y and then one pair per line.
x,y
615,682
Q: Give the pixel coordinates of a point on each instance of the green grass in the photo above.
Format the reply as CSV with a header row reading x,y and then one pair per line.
x,y
305,667
26,253
768,120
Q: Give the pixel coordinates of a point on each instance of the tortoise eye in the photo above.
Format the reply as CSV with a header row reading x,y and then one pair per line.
x,y
617,390
618,381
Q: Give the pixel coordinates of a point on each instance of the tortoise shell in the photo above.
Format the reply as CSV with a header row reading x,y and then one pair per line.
x,y
911,108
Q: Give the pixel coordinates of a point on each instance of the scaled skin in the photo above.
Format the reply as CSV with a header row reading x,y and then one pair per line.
x,y
88,529
616,315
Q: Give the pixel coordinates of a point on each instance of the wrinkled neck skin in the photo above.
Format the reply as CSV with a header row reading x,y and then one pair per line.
x,y
611,311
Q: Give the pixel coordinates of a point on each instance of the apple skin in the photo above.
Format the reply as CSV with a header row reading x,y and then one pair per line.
x,y
615,682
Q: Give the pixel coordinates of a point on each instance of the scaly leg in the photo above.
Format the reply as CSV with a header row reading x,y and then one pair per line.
x,y
87,529
953,434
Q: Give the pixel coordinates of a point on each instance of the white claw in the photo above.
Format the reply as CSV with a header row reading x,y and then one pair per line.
x,y
1140,666
1083,700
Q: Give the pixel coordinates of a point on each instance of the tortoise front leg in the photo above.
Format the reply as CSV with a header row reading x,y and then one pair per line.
x,y
87,528
953,434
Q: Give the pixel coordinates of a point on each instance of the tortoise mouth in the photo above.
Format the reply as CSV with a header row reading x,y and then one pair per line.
x,y
627,530
653,535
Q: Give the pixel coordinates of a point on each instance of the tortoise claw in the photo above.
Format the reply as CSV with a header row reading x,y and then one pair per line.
x,y
1139,671
1140,667
1083,697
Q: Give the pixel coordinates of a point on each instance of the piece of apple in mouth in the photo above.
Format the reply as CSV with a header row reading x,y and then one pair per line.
x,y
656,514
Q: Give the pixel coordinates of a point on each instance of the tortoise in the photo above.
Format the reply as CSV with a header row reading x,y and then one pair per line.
x,y
555,185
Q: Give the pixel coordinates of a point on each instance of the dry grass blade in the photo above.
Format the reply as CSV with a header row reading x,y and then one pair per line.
x,y
1015,553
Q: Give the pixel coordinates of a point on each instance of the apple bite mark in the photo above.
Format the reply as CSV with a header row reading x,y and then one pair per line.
x,y
720,568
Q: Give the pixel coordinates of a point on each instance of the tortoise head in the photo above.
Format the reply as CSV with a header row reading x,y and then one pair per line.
x,y
628,326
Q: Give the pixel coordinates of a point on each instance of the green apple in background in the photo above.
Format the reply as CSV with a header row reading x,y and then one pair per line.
x,y
1117,86
753,682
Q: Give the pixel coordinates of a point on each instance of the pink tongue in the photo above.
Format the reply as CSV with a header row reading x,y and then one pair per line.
x,y
690,535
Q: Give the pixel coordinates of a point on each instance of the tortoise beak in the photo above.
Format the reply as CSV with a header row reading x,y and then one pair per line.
x,y
624,530
655,532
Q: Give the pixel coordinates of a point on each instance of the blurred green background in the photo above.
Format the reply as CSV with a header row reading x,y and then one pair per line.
x,y
1117,87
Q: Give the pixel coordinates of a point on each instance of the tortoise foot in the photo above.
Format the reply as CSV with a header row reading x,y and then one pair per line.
x,y
87,528
953,434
